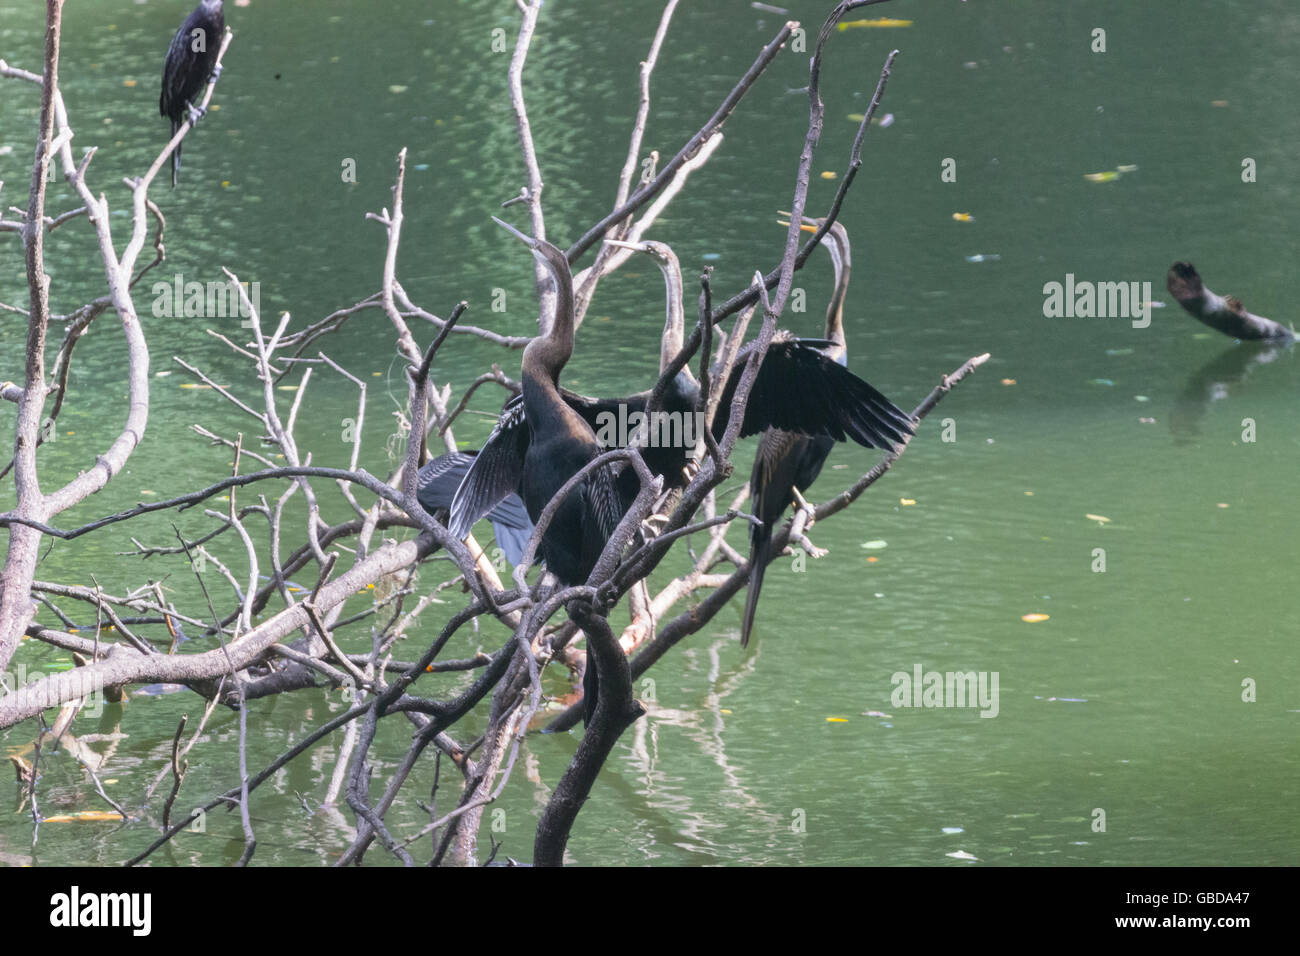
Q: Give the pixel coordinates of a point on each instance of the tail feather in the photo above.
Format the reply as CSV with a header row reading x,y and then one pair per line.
x,y
176,156
590,690
760,550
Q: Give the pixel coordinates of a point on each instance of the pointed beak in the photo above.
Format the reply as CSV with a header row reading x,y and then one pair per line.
x,y
527,240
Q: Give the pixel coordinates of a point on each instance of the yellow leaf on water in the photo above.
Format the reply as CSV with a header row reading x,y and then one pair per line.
x,y
1008,381
85,816
128,82
857,117
879,23
1102,518
906,501
836,720
963,217
1107,177
1034,618
828,175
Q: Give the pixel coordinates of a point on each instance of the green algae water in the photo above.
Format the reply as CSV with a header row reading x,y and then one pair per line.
x,y
1103,515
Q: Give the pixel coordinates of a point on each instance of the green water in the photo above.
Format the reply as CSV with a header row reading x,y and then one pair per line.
x,y
1127,699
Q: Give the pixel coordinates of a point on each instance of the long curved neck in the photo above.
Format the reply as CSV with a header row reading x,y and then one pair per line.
x,y
835,311
547,354
675,319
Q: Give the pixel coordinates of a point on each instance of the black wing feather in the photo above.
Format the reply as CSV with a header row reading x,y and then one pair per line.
x,y
496,473
801,389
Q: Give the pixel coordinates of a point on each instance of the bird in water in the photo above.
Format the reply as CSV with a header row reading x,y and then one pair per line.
x,y
191,63
437,482
787,462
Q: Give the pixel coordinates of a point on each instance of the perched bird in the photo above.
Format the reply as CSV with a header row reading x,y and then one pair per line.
x,y
798,387
190,65
437,483
787,462
559,443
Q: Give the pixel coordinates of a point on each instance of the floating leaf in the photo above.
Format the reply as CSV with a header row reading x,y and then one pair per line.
x,y
857,117
836,720
1008,381
879,23
963,217
906,501
1107,177
828,174
1035,618
876,544
85,816
1102,518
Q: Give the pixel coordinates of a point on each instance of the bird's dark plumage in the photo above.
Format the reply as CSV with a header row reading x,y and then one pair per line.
x,y
437,484
190,61
827,392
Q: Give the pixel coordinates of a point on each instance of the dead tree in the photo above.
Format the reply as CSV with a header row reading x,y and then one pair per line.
x,y
268,636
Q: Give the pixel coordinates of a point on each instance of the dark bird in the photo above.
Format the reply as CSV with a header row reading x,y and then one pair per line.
x,y
554,446
191,63
788,462
557,442
437,483
798,388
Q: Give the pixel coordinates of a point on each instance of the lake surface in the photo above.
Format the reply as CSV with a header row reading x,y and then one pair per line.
x,y
1079,434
